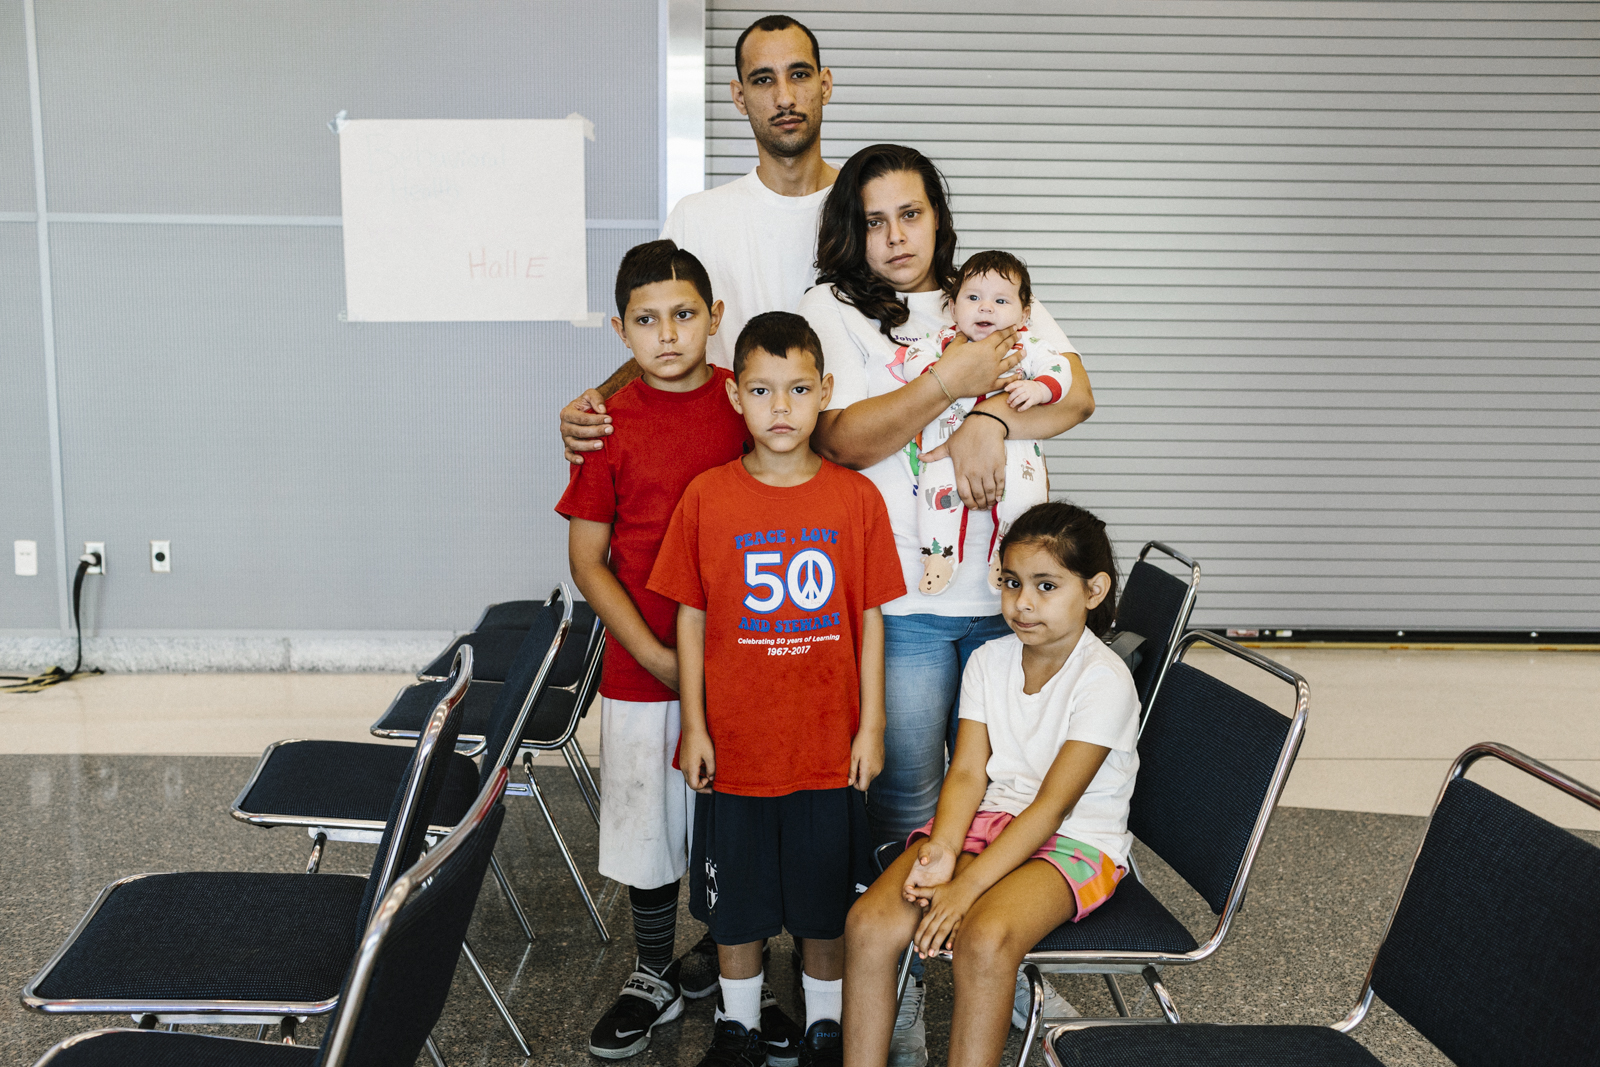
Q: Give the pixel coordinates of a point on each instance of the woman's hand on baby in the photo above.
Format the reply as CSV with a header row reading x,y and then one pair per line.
x,y
935,865
977,448
1024,395
978,368
943,909
697,758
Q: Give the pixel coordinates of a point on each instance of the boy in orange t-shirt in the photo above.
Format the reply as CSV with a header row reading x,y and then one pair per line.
x,y
779,561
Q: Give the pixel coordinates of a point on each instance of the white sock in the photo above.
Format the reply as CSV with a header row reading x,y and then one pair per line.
x,y
824,1000
741,1001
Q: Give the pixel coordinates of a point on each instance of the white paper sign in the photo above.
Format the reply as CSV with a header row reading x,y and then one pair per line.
x,y
472,220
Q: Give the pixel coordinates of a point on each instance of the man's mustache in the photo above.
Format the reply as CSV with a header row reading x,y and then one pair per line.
x,y
784,116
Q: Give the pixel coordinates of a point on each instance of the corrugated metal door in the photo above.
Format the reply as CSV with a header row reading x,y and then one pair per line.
x,y
1333,267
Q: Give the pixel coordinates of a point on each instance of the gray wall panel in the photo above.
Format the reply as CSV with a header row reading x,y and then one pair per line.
x,y
1334,268
222,108
310,473
26,510
16,129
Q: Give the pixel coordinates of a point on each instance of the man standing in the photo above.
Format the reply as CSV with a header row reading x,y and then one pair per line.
x,y
756,235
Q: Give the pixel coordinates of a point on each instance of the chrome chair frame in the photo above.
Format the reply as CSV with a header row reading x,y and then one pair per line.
x,y
1179,625
341,1028
228,1012
1506,754
1148,965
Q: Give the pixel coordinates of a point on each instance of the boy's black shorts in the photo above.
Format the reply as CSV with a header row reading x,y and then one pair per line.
x,y
758,865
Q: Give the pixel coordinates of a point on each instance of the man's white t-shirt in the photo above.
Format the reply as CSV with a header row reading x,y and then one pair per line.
x,y
1092,699
759,248
864,363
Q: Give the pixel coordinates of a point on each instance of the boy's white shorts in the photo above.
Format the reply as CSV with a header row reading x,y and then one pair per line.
x,y
645,802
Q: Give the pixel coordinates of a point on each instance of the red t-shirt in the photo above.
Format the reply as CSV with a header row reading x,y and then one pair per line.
x,y
784,575
660,441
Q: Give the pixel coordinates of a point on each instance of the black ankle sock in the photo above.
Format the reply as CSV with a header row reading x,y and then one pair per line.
x,y
655,925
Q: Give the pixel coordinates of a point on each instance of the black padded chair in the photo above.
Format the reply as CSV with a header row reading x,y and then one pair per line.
x,y
551,727
1212,765
243,947
393,992
1152,613
554,722
1494,973
492,638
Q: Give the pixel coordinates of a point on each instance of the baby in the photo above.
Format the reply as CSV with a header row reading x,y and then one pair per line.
x,y
991,292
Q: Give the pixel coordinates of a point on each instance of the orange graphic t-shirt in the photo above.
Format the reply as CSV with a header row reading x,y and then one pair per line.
x,y
784,575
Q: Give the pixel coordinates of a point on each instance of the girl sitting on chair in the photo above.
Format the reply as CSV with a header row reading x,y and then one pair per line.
x,y
1032,824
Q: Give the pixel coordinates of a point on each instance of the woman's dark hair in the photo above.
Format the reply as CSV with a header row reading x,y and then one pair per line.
x,y
842,233
1078,541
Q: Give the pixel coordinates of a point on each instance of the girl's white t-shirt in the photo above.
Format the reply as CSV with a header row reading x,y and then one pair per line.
x,y
1091,699
864,363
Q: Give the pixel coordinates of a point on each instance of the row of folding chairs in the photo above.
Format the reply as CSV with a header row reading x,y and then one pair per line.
x,y
393,939
337,791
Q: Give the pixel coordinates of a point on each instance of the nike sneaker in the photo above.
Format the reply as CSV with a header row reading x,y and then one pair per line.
x,y
646,1001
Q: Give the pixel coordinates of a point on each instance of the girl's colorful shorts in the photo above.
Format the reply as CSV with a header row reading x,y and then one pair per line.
x,y
1090,872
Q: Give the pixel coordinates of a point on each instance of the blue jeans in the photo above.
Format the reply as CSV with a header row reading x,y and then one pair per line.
x,y
924,656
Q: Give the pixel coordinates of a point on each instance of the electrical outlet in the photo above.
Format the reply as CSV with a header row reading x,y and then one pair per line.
x,y
27,557
100,547
161,557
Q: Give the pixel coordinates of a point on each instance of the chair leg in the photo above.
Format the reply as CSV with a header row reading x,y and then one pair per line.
x,y
261,1032
511,896
433,1052
314,861
574,761
1035,1011
566,854
494,995
904,977
1116,994
1152,978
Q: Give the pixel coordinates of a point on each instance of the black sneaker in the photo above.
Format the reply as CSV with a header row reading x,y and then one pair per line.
x,y
784,1039
646,1002
700,970
734,1046
824,1045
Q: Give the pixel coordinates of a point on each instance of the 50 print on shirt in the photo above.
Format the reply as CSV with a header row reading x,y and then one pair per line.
x,y
775,577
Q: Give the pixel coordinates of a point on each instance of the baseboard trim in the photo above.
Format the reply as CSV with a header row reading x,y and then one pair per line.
x,y
334,651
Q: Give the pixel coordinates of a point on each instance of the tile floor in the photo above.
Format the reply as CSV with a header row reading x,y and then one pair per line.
x,y
110,775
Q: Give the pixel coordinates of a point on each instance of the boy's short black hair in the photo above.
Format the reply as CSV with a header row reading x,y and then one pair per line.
x,y
659,261
776,332
772,24
994,262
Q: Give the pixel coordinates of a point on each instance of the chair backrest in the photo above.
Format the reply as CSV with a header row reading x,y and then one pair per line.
x,y
397,986
572,685
1212,764
411,812
1493,951
530,676
1156,606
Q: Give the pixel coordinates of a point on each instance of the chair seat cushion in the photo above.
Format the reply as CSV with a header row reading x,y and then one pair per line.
x,y
410,710
214,936
350,780
1133,920
493,653
152,1048
1191,1045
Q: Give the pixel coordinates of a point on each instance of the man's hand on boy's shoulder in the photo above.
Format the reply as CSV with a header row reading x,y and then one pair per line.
x,y
866,758
584,425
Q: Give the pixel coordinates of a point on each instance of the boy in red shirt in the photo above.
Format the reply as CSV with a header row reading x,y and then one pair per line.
x,y
672,424
780,560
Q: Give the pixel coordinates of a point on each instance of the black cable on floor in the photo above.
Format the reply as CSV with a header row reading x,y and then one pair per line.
x,y
55,675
